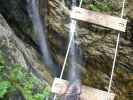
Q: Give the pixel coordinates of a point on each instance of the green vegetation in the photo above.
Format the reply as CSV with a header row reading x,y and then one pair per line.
x,y
101,7
16,78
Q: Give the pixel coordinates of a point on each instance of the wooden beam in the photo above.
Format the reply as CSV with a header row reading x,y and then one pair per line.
x,y
97,18
61,87
88,93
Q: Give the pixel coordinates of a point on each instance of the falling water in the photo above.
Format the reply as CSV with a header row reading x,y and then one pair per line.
x,y
41,36
74,72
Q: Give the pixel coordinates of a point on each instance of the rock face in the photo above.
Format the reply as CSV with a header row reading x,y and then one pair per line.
x,y
97,44
17,52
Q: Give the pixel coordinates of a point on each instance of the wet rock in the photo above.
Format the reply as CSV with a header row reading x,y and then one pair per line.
x,y
17,52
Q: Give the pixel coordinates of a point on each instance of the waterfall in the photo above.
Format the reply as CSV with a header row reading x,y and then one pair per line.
x,y
74,72
33,10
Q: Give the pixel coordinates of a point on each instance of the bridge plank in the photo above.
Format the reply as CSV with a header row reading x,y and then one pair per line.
x,y
89,93
61,87
97,18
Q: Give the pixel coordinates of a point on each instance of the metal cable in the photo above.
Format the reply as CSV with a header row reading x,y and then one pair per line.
x,y
116,52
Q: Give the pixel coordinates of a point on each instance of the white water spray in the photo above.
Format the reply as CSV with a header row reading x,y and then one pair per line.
x,y
74,72
41,36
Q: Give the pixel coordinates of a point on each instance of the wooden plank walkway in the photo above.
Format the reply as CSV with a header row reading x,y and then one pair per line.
x,y
88,93
61,88
97,18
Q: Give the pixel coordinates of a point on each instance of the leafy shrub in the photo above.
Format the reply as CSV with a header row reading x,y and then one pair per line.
x,y
101,7
15,77
4,86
